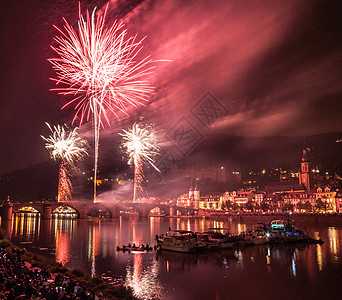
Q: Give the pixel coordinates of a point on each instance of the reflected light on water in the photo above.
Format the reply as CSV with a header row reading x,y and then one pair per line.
x,y
178,224
150,277
66,225
268,256
152,221
63,229
319,258
188,225
202,225
93,244
62,248
218,224
93,254
334,242
239,255
241,228
293,265
143,282
25,225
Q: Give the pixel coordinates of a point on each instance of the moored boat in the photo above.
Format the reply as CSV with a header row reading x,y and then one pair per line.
x,y
259,236
178,241
280,231
142,248
129,214
221,236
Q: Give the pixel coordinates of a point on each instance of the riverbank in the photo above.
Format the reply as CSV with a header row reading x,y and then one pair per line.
x,y
26,273
312,219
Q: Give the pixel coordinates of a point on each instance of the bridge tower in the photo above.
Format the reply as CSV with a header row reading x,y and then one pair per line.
x,y
7,210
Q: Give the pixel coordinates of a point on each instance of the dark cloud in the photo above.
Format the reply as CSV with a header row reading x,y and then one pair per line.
x,y
268,64
274,65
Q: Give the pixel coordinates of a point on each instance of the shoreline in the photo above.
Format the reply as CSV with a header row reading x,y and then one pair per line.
x,y
100,288
317,219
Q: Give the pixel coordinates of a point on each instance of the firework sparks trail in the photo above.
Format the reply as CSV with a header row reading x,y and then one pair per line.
x,y
69,147
140,144
98,67
64,183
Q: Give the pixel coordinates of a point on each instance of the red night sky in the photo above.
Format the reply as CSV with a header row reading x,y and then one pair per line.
x,y
273,66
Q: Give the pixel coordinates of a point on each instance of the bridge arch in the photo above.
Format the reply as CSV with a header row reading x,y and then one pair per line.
x,y
157,211
65,211
29,209
100,210
144,209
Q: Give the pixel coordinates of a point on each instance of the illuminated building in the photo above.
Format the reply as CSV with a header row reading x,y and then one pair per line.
x,y
297,198
228,196
196,197
327,196
182,200
243,197
191,199
338,202
211,202
258,198
293,186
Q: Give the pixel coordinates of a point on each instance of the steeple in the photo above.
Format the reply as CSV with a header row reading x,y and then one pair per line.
x,y
304,176
196,196
191,192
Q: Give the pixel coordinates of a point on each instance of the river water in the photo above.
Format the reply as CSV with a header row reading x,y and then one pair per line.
x,y
259,272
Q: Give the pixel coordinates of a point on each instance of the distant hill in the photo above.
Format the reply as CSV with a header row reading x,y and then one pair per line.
x,y
267,152
34,183
241,153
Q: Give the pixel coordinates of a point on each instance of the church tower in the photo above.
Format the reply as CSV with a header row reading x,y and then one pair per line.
x,y
191,195
304,175
196,197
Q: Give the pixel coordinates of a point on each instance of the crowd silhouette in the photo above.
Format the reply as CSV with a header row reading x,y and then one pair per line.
x,y
21,280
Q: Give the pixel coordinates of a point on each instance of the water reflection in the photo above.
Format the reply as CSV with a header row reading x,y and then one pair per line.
x,y
63,229
293,265
319,257
62,248
334,242
90,245
142,277
26,225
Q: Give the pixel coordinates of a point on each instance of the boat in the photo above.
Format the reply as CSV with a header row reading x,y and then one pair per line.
x,y
277,224
200,246
133,248
259,237
221,236
205,238
177,240
156,214
281,231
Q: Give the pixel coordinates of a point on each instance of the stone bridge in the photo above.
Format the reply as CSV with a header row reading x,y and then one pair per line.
x,y
84,208
144,209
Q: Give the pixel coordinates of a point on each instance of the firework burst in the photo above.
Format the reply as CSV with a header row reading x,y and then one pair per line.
x,y
68,147
140,144
98,67
65,145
